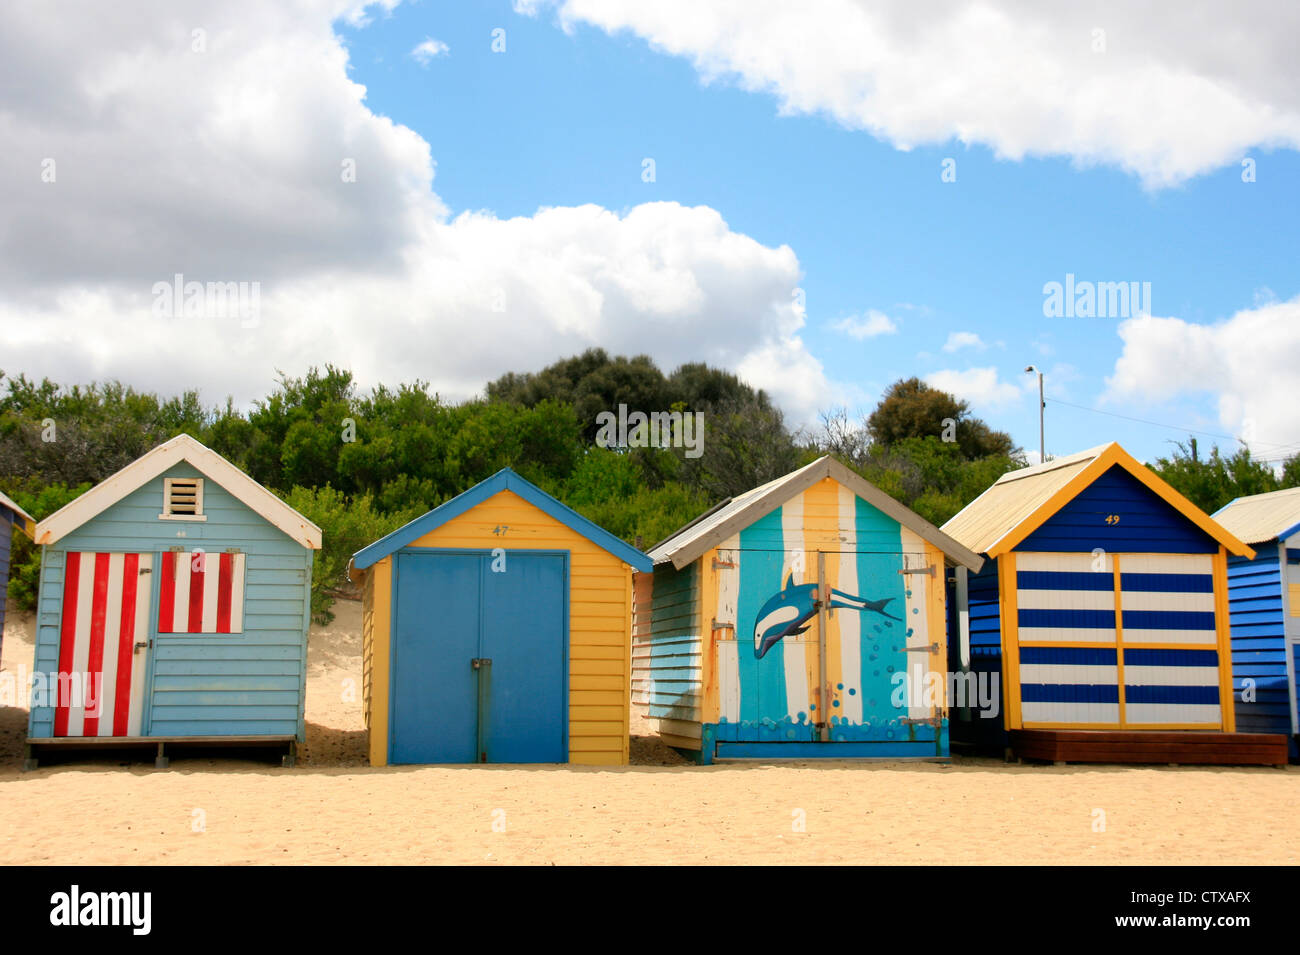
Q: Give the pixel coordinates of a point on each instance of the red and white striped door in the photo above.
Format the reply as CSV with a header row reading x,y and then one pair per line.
x,y
103,644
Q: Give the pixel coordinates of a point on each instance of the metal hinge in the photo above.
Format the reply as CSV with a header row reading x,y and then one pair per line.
x,y
723,563
932,648
930,721
928,570
721,625
146,570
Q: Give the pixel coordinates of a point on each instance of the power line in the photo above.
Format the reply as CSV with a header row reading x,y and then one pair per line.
x,y
1173,427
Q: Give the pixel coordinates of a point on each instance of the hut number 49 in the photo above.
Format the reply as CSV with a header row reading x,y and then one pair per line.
x,y
1112,518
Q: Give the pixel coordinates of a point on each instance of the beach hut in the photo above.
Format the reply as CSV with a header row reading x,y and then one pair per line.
x,y
1264,604
1103,613
495,629
174,604
803,618
11,516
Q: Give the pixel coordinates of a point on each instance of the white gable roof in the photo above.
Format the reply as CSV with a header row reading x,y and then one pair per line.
x,y
168,454
713,527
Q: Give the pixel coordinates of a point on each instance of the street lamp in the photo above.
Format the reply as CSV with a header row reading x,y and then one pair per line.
x,y
1042,445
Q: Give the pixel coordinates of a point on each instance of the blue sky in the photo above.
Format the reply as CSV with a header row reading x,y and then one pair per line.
x,y
801,155
564,118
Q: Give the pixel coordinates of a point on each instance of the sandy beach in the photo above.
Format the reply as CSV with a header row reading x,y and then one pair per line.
x,y
333,808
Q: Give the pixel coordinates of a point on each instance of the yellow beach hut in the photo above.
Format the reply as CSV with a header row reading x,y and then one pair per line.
x,y
497,628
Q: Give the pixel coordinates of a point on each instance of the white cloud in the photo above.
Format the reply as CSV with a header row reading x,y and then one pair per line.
x,y
232,165
980,386
959,340
428,50
875,323
1179,90
1245,362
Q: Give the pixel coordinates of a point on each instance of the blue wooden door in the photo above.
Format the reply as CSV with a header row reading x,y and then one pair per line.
x,y
524,631
454,608
435,639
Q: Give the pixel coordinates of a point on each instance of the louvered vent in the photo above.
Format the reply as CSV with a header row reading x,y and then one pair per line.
x,y
182,497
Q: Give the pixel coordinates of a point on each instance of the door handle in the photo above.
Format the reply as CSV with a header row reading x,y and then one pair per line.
x,y
483,677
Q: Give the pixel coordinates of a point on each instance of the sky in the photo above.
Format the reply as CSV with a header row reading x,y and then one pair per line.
x,y
822,197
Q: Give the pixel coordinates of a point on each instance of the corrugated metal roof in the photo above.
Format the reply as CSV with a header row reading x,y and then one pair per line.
x,y
729,517
1261,517
1013,498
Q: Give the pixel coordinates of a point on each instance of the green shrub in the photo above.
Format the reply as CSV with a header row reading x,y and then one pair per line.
x,y
25,556
347,525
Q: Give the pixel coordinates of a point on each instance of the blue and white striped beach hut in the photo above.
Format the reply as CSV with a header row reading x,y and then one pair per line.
x,y
1102,611
1264,601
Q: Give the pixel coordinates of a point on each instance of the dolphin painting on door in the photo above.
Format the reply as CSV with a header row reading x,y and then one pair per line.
x,y
803,618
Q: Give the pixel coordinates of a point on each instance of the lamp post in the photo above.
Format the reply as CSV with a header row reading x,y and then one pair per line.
x,y
1042,445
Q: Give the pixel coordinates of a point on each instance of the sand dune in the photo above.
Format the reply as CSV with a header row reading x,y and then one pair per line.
x,y
661,810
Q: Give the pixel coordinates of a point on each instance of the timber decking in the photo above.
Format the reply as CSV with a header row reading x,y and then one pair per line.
x,y
1132,746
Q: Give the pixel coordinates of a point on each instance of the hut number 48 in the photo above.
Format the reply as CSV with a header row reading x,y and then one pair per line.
x,y
1112,518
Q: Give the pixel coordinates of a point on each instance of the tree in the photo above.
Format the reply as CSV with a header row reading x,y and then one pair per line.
x,y
912,409
1212,482
591,383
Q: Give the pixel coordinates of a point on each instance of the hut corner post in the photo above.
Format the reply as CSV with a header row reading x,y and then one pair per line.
x,y
823,687
963,638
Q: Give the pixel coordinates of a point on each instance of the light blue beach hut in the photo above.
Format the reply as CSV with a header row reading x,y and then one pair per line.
x,y
174,604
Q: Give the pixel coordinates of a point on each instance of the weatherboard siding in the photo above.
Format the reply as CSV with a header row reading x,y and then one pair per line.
x,y
1145,523
246,684
667,663
375,656
600,614
1259,642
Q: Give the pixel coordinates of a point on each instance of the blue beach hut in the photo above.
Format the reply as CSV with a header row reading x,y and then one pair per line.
x,y
1264,603
174,604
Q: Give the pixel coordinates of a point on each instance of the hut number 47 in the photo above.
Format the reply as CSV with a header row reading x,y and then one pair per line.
x,y
1112,518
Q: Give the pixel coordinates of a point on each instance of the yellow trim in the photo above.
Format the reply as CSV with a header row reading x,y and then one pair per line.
x,y
1113,454
1119,635
710,704
1227,706
937,613
1009,613
380,659
627,667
